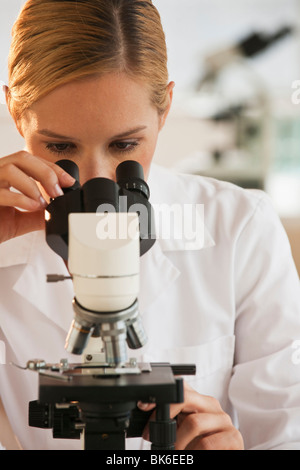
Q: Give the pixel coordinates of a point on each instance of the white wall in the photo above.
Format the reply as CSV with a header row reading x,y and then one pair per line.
x,y
10,139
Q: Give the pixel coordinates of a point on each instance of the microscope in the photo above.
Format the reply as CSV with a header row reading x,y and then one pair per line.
x,y
102,229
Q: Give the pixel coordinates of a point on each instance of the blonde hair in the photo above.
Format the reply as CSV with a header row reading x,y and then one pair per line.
x,y
55,42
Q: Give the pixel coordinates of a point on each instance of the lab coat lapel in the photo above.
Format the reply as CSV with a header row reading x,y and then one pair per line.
x,y
16,251
179,216
52,299
157,273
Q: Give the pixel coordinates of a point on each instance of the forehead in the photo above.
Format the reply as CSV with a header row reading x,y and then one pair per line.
x,y
110,101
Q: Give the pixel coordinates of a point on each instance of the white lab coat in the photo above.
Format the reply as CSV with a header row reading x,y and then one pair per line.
x,y
231,306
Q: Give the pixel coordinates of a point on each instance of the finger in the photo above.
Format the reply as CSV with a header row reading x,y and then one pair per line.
x,y
64,178
146,406
12,176
200,424
195,403
229,439
10,198
51,176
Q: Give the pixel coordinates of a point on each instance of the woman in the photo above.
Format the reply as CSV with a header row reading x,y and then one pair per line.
x,y
88,81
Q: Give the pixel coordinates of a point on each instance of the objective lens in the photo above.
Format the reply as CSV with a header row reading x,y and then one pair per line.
x,y
77,338
114,341
136,335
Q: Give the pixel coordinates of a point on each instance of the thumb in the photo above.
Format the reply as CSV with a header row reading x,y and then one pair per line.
x,y
146,406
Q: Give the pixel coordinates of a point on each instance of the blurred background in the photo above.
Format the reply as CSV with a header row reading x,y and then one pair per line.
x,y
236,109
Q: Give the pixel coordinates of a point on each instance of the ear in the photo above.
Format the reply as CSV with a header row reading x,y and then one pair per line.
x,y
7,97
164,116
7,94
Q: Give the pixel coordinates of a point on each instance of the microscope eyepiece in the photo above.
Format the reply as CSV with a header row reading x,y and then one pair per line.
x,y
100,192
130,175
72,169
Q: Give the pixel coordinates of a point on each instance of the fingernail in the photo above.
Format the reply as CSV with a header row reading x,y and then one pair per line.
x,y
142,406
68,178
35,204
43,202
58,190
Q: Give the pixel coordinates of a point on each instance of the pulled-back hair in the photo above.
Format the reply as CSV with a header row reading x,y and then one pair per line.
x,y
55,42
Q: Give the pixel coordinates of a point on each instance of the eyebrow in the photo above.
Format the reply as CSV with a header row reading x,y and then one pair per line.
x,y
48,133
130,132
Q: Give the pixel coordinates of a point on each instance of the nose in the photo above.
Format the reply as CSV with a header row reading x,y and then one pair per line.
x,y
95,167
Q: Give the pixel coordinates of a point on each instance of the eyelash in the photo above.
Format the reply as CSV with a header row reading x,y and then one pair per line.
x,y
71,148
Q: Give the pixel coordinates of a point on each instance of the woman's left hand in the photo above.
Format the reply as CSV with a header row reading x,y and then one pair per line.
x,y
201,424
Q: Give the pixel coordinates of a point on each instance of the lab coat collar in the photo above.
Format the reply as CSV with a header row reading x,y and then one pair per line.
x,y
17,250
39,260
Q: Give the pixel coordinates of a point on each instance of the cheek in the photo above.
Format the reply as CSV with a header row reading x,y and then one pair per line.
x,y
146,156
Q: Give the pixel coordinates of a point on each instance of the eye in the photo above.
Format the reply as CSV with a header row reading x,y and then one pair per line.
x,y
60,148
124,146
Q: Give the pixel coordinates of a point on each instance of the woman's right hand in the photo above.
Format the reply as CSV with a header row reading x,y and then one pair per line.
x,y
22,171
